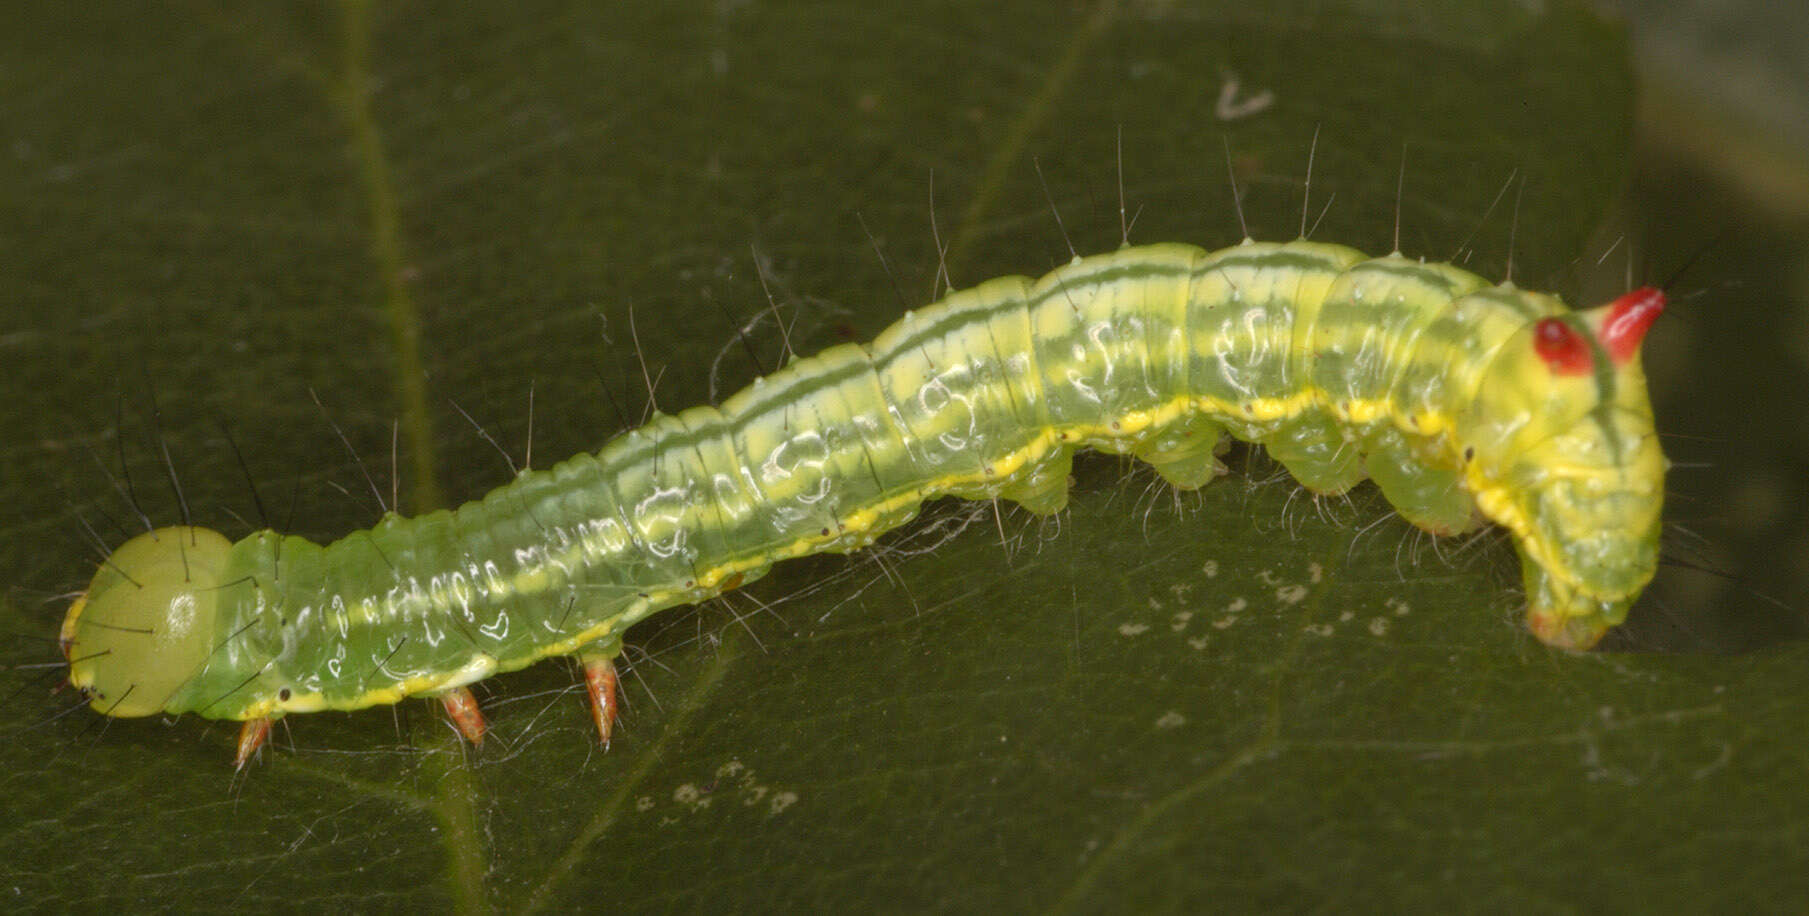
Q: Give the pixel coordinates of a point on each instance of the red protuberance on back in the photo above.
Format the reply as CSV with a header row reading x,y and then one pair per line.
x,y
1562,347
1628,319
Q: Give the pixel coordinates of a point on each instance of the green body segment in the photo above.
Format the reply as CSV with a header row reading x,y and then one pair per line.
x,y
1343,366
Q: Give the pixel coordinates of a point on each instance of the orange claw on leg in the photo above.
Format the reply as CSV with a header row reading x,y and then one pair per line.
x,y
251,737
461,706
600,680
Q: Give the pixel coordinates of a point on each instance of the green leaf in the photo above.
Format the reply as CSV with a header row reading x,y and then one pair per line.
x,y
1241,698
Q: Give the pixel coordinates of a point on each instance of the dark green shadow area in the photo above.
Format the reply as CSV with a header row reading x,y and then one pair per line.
x,y
1236,699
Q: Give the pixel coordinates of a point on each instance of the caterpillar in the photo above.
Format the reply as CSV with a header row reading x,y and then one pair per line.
x,y
1465,401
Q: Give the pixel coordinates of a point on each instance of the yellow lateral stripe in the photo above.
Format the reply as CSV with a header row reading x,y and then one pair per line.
x,y
1491,497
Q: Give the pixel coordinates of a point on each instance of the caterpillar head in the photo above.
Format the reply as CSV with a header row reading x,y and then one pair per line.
x,y
146,623
1563,433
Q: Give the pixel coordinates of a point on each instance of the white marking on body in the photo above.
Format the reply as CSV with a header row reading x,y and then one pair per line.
x,y
1230,107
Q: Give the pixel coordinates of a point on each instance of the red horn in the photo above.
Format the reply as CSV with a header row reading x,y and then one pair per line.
x,y
1628,319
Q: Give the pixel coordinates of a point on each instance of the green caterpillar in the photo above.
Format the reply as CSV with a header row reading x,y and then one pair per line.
x,y
1463,400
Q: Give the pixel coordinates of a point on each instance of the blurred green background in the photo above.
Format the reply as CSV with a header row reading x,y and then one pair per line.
x,y
1238,699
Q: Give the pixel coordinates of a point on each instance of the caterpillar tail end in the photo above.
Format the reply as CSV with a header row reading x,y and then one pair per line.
x,y
1565,617
1574,633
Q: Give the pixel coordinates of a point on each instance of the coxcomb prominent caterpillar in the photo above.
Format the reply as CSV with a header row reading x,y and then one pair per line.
x,y
1462,399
